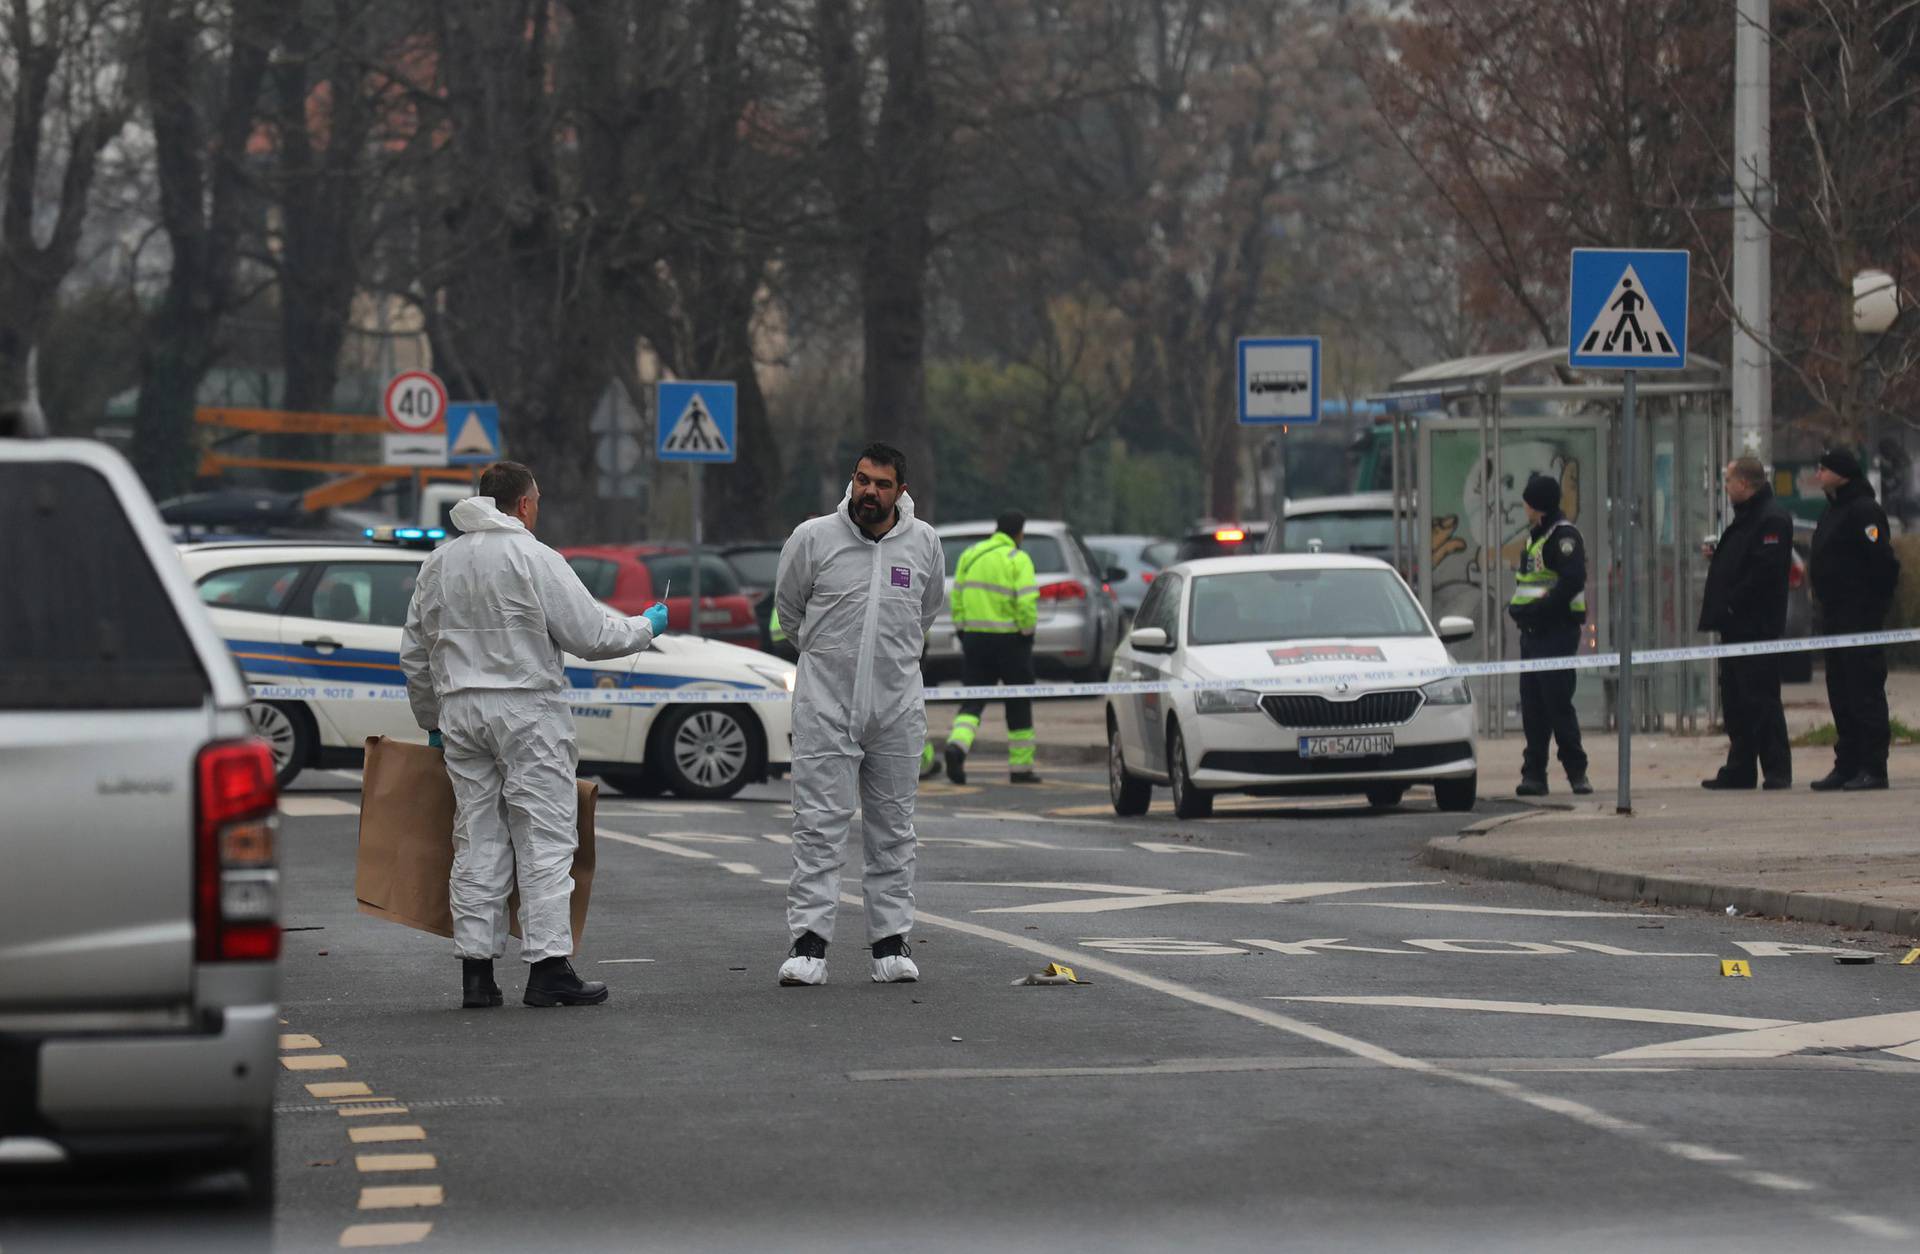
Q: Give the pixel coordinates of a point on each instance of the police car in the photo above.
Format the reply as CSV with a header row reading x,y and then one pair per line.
x,y
331,615
1324,619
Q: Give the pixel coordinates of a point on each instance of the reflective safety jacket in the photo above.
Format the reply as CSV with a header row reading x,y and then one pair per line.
x,y
1552,567
994,588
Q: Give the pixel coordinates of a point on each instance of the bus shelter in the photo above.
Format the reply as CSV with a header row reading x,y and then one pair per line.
x,y
1465,435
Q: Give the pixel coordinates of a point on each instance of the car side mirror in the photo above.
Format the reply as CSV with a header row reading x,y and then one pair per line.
x,y
1150,640
1116,574
1456,627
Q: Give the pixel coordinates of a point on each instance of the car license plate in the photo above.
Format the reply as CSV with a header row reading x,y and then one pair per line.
x,y
1373,746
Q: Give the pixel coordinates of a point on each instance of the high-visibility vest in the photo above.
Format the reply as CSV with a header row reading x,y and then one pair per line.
x,y
1536,578
994,588
773,628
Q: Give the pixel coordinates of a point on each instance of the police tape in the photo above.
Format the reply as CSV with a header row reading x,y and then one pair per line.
x,y
1370,676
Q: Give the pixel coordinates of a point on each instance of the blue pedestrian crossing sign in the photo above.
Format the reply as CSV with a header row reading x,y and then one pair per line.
x,y
1627,309
473,433
696,422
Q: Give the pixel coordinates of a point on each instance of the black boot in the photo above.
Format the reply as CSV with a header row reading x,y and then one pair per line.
x,y
1531,786
476,984
551,982
1866,781
1832,780
956,763
1580,785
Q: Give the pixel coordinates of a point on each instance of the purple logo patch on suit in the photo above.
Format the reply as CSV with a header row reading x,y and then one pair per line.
x,y
902,577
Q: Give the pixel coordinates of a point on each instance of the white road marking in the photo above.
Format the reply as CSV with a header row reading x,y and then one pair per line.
x,y
1872,1226
1300,1028
686,807
1892,1031
1168,846
1772,1180
1161,946
614,962
1571,1010
778,838
740,868
296,806
1539,914
1700,1153
1617,952
1242,895
658,846
1307,948
1783,949
703,838
1469,946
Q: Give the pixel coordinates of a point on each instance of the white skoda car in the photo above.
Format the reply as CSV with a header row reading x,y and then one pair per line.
x,y
1325,620
320,614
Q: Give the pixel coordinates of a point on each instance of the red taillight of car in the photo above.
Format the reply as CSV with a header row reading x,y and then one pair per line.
x,y
1796,574
1230,535
1146,576
236,884
1064,591
1108,589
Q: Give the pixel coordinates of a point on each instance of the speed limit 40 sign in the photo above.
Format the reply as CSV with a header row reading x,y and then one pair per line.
x,y
416,403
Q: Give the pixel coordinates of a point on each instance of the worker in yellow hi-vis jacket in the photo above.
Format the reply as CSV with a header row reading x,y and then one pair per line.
x,y
996,603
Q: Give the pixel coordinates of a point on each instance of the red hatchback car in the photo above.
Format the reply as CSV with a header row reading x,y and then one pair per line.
x,y
630,577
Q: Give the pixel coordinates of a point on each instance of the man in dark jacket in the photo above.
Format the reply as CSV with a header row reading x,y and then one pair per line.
x,y
1746,600
1550,607
1854,572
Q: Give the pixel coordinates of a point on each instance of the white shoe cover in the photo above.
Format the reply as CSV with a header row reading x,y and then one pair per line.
x,y
897,969
798,970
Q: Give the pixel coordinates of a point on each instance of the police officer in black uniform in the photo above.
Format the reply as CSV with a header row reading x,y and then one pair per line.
x,y
1854,572
1550,607
1746,600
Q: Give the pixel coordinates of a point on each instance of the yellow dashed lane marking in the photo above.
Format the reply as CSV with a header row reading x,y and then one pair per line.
x,y
340,1088
314,1062
387,1132
394,1162
349,1112
298,1040
400,1196
362,1236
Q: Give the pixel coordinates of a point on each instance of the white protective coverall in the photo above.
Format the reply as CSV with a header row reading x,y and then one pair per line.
x,y
491,611
858,610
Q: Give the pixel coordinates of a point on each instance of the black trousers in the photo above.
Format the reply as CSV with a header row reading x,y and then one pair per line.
x,y
1546,704
1857,692
1756,723
992,657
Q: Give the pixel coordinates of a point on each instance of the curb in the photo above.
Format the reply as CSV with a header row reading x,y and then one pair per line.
x,y
1448,854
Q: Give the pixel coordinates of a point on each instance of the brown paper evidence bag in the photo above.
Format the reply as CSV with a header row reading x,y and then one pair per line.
x,y
406,841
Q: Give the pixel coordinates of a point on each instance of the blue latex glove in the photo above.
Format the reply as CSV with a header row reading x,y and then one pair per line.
x,y
657,615
433,740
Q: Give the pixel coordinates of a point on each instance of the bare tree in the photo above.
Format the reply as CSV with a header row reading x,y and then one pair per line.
x,y
58,75
202,69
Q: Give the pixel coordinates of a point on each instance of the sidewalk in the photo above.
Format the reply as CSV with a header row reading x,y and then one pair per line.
x,y
1851,859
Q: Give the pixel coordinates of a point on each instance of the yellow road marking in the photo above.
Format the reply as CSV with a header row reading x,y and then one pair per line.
x,y
362,1236
298,1040
314,1062
399,1196
349,1112
394,1162
340,1088
387,1132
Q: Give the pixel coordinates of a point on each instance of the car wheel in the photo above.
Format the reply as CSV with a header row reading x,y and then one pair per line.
x,y
1131,795
1188,802
1385,796
705,752
288,729
1456,794
640,783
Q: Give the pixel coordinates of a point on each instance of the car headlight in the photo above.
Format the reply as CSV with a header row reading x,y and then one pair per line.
x,y
1226,701
778,678
1451,691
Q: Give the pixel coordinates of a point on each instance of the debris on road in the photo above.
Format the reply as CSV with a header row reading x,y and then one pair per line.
x,y
1855,960
1054,974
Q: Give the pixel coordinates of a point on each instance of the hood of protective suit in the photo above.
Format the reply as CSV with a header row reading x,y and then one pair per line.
x,y
858,609
477,513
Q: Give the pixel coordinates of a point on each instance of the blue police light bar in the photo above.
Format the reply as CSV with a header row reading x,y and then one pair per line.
x,y
409,533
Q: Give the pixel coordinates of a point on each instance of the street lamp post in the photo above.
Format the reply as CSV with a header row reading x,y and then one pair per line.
x,y
1876,305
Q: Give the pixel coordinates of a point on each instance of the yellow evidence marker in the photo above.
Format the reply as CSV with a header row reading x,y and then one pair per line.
x,y
1736,966
1913,956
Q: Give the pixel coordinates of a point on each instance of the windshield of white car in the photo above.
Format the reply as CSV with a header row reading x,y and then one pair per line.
x,y
1345,531
1326,603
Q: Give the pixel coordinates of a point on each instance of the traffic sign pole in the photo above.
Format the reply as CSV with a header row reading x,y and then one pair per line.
x,y
1630,491
693,616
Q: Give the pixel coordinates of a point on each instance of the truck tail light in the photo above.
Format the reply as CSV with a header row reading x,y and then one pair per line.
x,y
236,882
1068,590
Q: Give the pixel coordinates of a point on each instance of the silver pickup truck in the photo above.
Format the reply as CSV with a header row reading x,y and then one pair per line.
x,y
139,892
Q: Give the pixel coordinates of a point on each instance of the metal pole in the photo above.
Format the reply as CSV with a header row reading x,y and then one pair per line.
x,y
1629,503
693,615
1752,245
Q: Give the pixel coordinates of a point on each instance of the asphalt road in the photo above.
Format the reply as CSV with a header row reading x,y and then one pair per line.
x,y
1293,1035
